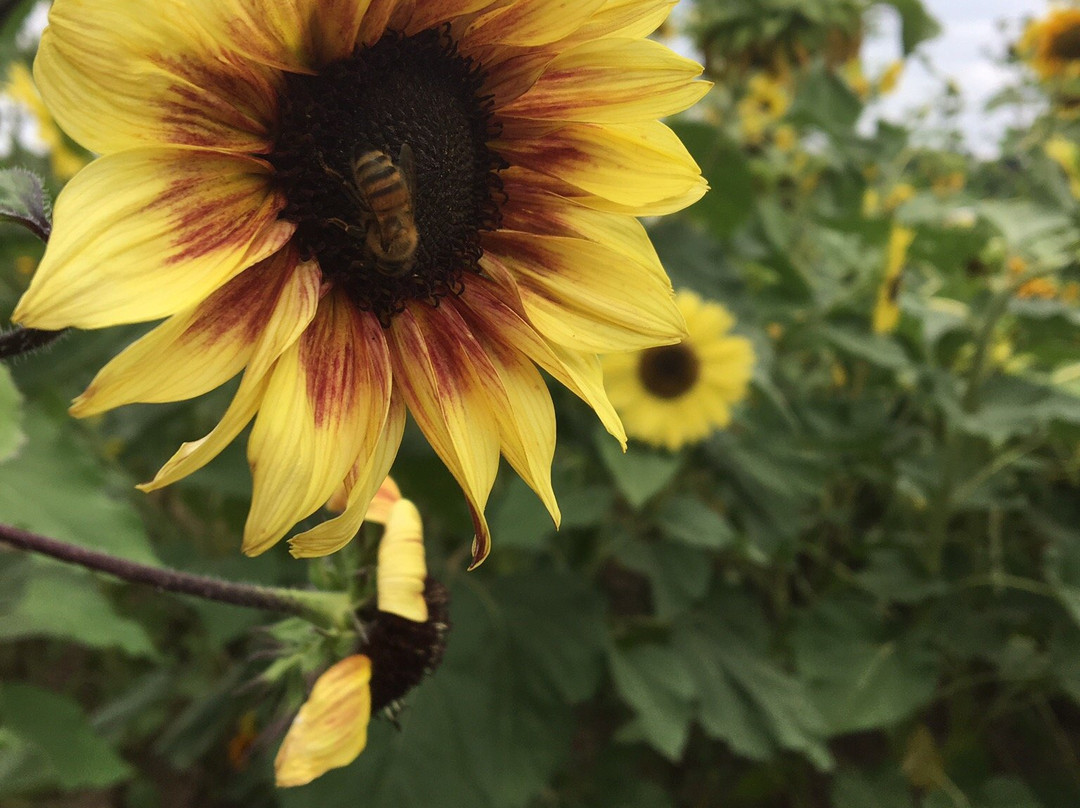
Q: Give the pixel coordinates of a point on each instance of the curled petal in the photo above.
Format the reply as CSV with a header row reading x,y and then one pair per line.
x,y
146,233
384,500
402,567
330,730
325,406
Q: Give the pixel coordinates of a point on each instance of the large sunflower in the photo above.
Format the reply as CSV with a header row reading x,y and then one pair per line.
x,y
263,165
674,395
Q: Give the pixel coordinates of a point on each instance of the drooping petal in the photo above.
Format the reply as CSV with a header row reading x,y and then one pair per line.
x,y
206,345
146,233
612,81
331,728
437,377
296,306
325,406
586,296
522,406
294,35
530,23
360,484
499,310
117,77
599,159
402,568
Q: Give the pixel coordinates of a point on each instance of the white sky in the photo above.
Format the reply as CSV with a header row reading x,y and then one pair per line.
x,y
975,36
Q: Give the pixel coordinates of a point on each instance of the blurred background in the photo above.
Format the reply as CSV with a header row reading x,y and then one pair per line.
x,y
860,587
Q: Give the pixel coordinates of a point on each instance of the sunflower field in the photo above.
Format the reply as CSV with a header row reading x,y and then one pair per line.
x,y
787,390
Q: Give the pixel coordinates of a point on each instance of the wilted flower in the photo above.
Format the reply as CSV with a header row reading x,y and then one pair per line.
x,y
679,394
368,208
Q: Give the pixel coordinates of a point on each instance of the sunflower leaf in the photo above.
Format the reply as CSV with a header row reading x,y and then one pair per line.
x,y
639,473
23,201
11,435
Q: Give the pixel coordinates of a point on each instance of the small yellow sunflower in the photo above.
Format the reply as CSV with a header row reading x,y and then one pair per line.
x,y
64,160
1051,45
886,310
674,395
369,207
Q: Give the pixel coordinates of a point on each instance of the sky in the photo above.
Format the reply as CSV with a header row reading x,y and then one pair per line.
x,y
975,35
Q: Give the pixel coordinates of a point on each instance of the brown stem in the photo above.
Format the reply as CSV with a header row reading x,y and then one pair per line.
x,y
254,597
23,340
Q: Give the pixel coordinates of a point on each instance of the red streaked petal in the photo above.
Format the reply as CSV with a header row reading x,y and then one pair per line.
x,y
530,23
325,406
146,233
437,375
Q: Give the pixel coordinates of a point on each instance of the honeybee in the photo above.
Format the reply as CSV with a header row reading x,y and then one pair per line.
x,y
383,192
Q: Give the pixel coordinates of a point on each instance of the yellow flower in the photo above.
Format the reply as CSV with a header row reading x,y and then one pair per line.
x,y
368,207
886,311
890,77
62,158
950,183
330,730
1052,45
1037,289
871,202
1016,266
769,95
679,394
852,71
1070,292
785,138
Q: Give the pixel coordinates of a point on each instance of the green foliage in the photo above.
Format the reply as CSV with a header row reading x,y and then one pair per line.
x,y
23,200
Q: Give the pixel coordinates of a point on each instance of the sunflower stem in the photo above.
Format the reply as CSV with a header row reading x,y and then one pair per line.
x,y
18,341
330,609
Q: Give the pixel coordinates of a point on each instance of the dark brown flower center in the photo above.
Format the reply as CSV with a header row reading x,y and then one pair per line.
x,y
1065,44
385,163
669,371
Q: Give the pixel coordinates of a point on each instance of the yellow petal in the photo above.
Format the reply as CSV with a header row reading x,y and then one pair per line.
x,y
586,296
385,498
325,407
612,81
625,18
149,232
437,377
500,311
384,15
116,77
630,164
330,730
198,349
296,307
402,568
432,13
360,485
530,22
294,35
523,408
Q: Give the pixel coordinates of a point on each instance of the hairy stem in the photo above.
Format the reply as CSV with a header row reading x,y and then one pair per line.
x,y
23,340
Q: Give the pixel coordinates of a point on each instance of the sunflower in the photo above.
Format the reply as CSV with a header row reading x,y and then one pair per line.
x,y
1051,45
370,207
673,395
63,160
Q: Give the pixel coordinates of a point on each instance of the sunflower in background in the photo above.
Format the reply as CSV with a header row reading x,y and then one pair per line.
x,y
1051,45
886,314
676,395
368,208
63,160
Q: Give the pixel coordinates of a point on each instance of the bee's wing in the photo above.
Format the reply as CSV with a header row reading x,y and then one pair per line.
x,y
407,166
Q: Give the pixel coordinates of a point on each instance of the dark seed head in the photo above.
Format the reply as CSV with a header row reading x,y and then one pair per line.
x,y
669,371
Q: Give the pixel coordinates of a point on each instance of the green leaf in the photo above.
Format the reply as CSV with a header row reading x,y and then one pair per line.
x,y
729,201
679,576
692,522
746,699
876,349
83,615
56,487
661,691
640,473
916,23
825,100
11,435
54,732
859,679
519,518
887,788
23,201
